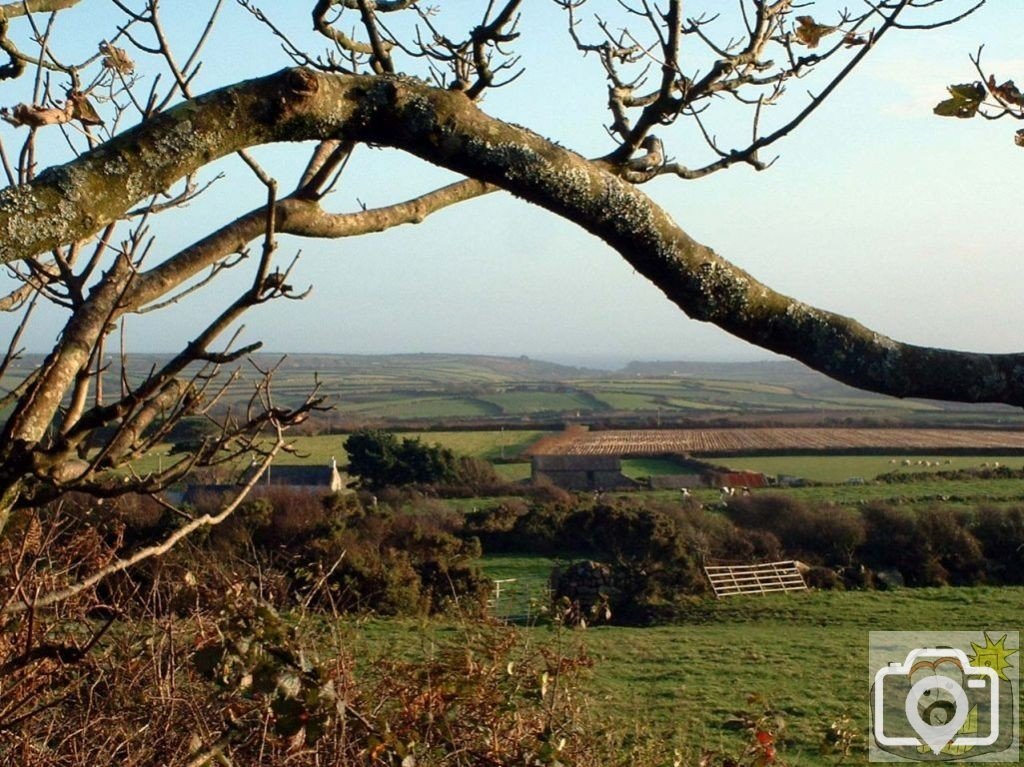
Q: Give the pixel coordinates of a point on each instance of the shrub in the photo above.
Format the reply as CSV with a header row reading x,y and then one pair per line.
x,y
1000,533
828,536
652,562
823,536
823,578
391,564
893,542
715,537
956,555
250,689
492,525
477,474
765,511
539,530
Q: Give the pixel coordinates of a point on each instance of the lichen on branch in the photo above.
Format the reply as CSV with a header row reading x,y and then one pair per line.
x,y
446,128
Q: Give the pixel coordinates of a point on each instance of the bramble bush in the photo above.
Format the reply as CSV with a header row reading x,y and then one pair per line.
x,y
234,681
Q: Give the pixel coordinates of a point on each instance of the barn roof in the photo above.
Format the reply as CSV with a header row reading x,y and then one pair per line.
x,y
577,463
307,476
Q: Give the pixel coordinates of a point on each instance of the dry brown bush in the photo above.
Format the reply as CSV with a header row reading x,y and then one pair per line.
x,y
234,682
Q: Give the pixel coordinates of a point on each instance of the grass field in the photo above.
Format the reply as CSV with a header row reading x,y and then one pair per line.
x,y
513,472
528,589
490,445
421,407
636,468
804,654
448,386
527,402
925,492
318,450
839,468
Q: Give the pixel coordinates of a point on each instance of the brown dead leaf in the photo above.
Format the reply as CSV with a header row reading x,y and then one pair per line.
x,y
83,110
116,58
809,32
1008,92
36,116
852,40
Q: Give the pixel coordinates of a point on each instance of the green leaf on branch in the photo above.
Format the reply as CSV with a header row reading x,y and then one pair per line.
x,y
965,102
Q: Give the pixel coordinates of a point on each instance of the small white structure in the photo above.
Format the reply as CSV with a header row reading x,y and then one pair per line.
x,y
729,580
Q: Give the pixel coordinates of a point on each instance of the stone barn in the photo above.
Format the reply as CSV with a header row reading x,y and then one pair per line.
x,y
310,479
316,480
580,472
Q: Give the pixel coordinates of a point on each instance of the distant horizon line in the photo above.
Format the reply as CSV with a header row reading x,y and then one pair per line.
x,y
568,359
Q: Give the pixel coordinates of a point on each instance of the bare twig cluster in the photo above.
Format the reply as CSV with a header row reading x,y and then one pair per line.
x,y
663,66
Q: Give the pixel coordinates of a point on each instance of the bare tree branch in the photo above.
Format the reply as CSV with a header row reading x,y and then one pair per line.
x,y
412,116
120,565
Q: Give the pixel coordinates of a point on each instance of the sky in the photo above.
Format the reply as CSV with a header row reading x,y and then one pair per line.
x,y
875,209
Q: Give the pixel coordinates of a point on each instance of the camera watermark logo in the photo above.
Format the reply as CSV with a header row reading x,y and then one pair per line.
x,y
944,696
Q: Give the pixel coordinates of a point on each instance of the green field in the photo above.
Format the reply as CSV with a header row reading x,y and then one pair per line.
x,y
318,450
839,468
490,445
626,400
803,655
527,402
420,407
513,472
635,468
526,589
479,388
923,493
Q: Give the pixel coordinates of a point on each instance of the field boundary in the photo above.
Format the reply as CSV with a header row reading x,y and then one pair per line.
x,y
730,580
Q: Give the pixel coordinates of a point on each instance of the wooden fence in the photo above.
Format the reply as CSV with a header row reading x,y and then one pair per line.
x,y
727,580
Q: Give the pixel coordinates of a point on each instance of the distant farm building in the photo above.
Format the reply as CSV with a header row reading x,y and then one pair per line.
x,y
677,481
710,478
313,479
737,479
305,479
580,472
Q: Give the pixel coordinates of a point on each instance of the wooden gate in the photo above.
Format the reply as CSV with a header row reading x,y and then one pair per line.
x,y
762,578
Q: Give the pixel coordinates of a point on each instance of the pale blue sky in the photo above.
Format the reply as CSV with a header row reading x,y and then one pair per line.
x,y
876,209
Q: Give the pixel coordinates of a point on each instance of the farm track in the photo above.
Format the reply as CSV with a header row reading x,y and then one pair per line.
x,y
725,441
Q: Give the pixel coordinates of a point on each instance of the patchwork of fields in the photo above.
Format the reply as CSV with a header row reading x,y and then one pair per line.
x,y
684,686
474,388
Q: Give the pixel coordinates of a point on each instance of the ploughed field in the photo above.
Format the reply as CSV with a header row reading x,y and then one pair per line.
x,y
726,441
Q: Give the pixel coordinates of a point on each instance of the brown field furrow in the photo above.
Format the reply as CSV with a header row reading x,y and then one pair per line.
x,y
697,441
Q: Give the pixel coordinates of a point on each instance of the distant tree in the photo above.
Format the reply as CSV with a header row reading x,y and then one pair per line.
x,y
380,459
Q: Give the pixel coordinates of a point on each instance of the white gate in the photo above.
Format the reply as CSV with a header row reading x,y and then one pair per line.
x,y
727,580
